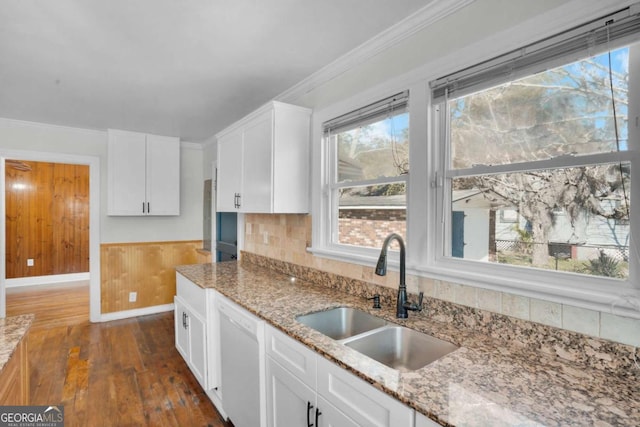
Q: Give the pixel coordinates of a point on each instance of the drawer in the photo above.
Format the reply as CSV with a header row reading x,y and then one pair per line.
x,y
292,355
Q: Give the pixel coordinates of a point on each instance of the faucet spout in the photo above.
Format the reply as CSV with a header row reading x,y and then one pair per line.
x,y
381,270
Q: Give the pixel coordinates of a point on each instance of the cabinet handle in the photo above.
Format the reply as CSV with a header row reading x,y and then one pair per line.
x,y
148,208
309,408
143,207
318,413
239,198
184,320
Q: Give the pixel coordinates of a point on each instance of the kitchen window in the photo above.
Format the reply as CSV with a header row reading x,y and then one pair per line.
x,y
366,182
537,158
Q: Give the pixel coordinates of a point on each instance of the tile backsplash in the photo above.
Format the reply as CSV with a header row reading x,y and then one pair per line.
x,y
286,238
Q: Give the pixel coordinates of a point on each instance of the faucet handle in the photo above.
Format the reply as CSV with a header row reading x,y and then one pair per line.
x,y
376,300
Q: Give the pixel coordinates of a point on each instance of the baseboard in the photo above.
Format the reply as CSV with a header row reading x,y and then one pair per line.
x,y
126,314
46,280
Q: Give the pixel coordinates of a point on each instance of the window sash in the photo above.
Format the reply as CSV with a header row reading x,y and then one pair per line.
x,y
595,37
392,105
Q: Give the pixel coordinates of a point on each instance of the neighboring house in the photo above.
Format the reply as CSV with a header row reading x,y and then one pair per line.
x,y
473,210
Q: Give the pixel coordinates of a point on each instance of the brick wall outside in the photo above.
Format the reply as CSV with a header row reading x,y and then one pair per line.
x,y
369,227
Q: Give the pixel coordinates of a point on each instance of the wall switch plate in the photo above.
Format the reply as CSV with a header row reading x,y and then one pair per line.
x,y
133,296
30,262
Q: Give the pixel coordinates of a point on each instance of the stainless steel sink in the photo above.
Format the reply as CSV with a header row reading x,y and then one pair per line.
x,y
401,348
341,322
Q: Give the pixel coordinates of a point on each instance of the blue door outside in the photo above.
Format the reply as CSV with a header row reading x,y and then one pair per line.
x,y
457,234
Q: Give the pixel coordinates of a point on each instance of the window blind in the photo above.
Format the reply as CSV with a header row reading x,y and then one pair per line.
x,y
600,35
392,105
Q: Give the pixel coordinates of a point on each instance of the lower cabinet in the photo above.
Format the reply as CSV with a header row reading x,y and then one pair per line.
x,y
191,339
197,335
423,421
303,387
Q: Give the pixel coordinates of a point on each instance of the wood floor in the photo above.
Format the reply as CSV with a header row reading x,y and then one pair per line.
x,y
120,373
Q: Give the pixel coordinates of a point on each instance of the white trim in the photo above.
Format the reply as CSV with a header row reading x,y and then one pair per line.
x,y
45,280
48,126
191,146
431,13
145,311
94,217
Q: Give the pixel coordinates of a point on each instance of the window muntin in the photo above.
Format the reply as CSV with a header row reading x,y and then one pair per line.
x,y
543,146
367,188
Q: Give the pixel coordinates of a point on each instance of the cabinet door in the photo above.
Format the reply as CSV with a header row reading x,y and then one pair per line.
x,y
197,348
257,182
182,333
162,175
289,401
229,176
329,416
423,421
126,173
359,400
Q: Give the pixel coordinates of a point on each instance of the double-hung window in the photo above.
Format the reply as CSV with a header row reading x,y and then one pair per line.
x,y
539,149
365,191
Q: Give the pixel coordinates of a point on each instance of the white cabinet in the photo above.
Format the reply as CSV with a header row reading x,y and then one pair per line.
x,y
423,421
197,335
297,392
359,400
191,340
229,172
143,174
263,162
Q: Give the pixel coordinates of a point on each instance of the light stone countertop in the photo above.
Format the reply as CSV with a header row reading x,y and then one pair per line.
x,y
486,382
12,330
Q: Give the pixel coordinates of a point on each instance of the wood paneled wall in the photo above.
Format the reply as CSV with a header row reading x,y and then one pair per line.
x,y
47,219
145,268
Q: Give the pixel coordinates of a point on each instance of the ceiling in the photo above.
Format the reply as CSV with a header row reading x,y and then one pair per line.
x,y
181,68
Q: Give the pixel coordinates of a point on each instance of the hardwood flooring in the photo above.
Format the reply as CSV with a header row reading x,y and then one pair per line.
x,y
120,373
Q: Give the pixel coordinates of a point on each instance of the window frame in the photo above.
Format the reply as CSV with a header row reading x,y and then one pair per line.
x,y
594,292
424,187
325,231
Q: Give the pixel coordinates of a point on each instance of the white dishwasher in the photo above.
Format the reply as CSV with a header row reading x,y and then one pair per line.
x,y
242,360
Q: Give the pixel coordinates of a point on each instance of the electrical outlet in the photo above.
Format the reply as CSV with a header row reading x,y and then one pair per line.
x,y
30,262
133,296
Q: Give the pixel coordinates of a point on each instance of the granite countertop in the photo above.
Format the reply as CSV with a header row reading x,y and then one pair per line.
x,y
486,382
12,330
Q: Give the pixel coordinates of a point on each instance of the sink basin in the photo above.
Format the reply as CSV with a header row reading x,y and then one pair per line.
x,y
401,348
342,322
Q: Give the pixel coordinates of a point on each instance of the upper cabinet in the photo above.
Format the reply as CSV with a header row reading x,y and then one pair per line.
x,y
263,162
143,174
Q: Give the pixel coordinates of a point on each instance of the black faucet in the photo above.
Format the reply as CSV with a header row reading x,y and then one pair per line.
x,y
402,304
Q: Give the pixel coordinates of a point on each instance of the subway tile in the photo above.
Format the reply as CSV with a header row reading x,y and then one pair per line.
x,y
581,320
466,295
490,300
621,329
546,312
516,306
445,291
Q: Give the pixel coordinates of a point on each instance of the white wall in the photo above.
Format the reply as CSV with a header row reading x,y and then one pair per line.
x,y
29,136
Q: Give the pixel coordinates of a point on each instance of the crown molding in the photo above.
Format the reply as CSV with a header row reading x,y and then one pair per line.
x,y
433,12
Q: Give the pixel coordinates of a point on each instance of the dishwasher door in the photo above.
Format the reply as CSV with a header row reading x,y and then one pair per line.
x,y
240,339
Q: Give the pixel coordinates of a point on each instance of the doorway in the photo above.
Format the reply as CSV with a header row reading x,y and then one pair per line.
x,y
94,220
